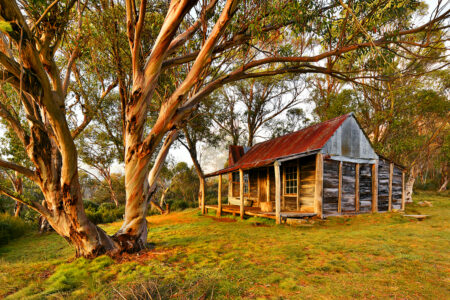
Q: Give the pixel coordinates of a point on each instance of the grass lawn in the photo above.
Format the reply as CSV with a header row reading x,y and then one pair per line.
x,y
367,256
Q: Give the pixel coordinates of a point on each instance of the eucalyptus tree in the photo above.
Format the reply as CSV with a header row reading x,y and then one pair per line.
x,y
97,151
245,108
34,34
199,130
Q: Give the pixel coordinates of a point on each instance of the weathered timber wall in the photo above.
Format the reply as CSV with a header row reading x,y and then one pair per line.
x,y
383,185
348,187
330,186
365,188
307,181
397,188
253,181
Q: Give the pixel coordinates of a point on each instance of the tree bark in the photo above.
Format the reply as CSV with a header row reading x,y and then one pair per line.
x,y
444,185
110,186
444,179
409,188
132,236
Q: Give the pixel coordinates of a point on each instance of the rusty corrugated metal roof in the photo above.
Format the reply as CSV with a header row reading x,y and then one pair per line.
x,y
306,140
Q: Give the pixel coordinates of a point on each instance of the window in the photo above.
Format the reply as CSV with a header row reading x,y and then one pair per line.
x,y
236,178
236,181
246,183
290,184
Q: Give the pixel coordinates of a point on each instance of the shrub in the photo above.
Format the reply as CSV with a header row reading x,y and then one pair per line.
x,y
105,213
90,205
179,205
11,228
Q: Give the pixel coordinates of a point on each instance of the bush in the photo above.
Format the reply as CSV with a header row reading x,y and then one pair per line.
x,y
11,228
105,213
179,205
90,205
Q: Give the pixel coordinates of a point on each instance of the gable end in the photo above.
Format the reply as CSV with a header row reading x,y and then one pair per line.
x,y
349,141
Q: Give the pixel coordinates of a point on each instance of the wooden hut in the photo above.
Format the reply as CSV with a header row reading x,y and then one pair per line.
x,y
326,169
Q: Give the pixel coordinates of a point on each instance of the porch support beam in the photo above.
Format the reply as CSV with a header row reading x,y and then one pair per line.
x,y
340,188
276,166
318,189
298,185
357,187
375,187
268,185
241,192
230,187
403,191
219,197
391,173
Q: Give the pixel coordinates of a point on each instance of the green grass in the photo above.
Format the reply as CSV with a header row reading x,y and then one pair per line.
x,y
367,256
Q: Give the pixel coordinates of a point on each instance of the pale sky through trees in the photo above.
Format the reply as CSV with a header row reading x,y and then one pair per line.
x,y
213,159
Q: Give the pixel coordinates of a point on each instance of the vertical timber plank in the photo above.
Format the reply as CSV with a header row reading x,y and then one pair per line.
x,y
241,192
340,188
391,173
375,187
283,187
298,185
230,187
258,193
357,187
318,190
219,197
268,185
276,166
403,190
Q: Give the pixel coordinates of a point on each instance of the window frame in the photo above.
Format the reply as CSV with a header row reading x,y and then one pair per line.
x,y
236,179
290,180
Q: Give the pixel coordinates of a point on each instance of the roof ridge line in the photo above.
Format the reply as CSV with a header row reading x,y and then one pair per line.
x,y
347,114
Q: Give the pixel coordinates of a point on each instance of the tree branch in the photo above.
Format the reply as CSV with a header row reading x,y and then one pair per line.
x,y
170,106
22,170
19,198
182,38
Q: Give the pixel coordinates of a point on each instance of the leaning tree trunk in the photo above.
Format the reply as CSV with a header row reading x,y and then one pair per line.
x,y
409,188
444,179
140,189
443,186
111,190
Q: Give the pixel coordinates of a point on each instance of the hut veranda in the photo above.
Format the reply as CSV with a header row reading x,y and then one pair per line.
x,y
323,170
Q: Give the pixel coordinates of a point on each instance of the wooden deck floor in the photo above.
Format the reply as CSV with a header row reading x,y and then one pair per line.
x,y
256,211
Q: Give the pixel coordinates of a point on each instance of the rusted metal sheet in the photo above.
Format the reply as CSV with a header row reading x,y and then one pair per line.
x,y
309,139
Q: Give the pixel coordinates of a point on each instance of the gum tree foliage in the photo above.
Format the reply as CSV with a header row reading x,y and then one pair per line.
x,y
176,53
